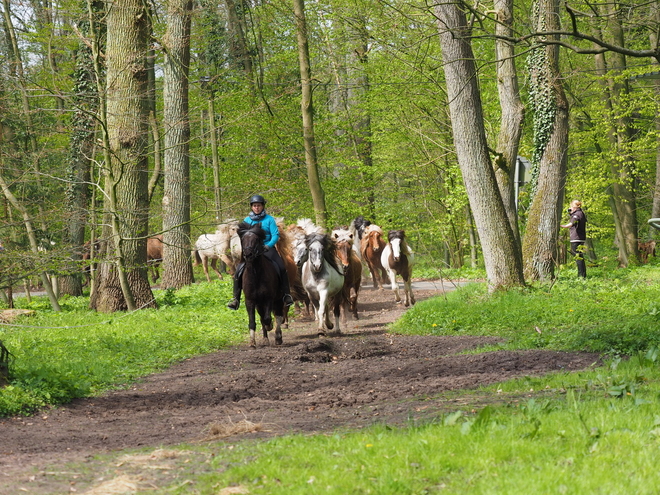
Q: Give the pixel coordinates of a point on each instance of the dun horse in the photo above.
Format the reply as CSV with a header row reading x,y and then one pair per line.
x,y
323,279
397,259
352,271
372,248
261,285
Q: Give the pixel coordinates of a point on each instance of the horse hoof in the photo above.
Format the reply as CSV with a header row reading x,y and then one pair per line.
x,y
265,342
321,334
278,341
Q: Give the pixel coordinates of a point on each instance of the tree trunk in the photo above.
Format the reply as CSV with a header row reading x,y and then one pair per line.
x,y
550,151
176,198
306,105
503,266
123,284
513,113
620,135
81,151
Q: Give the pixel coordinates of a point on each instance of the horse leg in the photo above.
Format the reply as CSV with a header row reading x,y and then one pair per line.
x,y
339,310
278,329
410,297
214,265
205,266
323,316
252,324
395,286
266,318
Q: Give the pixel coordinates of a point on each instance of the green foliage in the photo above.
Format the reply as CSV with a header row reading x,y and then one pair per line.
x,y
75,353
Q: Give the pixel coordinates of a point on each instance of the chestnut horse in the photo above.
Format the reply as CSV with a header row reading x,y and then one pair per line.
x,y
397,259
372,248
154,255
323,279
284,249
261,285
352,271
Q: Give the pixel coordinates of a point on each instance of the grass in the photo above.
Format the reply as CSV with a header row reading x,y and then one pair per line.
x,y
594,431
76,353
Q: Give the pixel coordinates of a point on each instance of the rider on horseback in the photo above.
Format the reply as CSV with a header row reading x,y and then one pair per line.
x,y
259,215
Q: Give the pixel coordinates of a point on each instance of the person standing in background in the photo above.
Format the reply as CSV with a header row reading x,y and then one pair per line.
x,y
578,233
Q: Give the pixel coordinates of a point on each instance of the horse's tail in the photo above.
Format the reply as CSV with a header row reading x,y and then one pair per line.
x,y
198,258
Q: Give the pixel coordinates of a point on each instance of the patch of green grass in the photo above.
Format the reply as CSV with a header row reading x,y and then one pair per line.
x,y
584,437
77,352
618,314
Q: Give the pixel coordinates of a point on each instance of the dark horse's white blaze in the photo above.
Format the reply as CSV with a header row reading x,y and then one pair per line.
x,y
398,259
261,287
322,279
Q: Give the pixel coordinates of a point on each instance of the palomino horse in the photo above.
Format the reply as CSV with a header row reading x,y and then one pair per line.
x,y
371,248
352,271
323,279
215,247
397,259
261,285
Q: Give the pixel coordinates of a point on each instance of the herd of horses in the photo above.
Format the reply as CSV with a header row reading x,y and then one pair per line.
x,y
324,269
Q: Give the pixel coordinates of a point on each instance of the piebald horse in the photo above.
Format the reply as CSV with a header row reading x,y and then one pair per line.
x,y
398,259
323,279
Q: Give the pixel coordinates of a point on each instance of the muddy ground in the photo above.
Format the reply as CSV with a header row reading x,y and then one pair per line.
x,y
348,380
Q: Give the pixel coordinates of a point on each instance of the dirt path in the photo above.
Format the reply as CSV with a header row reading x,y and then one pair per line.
x,y
351,380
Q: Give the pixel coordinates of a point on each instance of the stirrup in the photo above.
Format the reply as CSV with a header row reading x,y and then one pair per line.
x,y
233,304
288,300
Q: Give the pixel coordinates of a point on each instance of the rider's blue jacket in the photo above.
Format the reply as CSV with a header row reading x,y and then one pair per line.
x,y
269,225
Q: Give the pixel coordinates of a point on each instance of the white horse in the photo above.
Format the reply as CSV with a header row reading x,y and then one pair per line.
x,y
398,259
323,280
216,247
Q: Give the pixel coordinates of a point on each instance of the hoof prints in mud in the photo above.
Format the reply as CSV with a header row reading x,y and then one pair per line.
x,y
316,352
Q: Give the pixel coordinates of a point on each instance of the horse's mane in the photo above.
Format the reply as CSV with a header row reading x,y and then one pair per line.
x,y
343,235
400,234
309,227
329,248
372,228
358,225
225,226
244,228
284,243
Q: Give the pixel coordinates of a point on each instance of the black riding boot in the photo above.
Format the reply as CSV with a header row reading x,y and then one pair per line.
x,y
238,283
288,300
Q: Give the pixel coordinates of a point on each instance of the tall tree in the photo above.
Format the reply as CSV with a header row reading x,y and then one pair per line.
x,y
503,267
513,111
307,108
176,198
122,281
550,150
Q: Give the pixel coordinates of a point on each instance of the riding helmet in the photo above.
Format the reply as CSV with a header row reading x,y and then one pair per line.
x,y
257,198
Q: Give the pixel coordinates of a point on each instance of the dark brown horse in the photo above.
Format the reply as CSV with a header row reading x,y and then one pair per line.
x,y
352,270
261,285
398,259
371,249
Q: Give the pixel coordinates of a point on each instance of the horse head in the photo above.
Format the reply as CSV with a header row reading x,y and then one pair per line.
x,y
397,241
252,240
344,241
373,235
320,247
